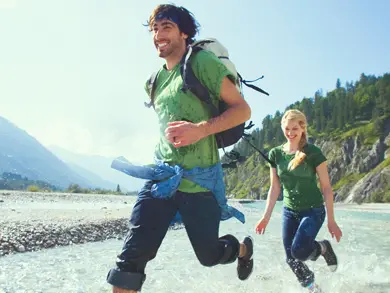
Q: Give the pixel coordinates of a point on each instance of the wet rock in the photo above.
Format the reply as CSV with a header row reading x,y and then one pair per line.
x,y
20,248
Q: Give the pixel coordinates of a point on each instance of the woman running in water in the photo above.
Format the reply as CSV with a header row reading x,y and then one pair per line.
x,y
295,165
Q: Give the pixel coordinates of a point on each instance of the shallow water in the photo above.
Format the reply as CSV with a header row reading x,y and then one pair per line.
x,y
363,253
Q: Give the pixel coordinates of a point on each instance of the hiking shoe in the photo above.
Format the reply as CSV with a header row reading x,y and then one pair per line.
x,y
245,263
329,255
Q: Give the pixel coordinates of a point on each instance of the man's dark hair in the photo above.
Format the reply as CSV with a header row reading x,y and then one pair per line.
x,y
184,19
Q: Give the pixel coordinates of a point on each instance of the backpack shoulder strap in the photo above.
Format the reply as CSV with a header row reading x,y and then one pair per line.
x,y
151,86
192,83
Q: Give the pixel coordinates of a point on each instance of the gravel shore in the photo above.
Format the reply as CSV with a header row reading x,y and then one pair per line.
x,y
33,221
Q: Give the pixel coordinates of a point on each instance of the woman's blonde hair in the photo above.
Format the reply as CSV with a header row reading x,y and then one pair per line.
x,y
298,116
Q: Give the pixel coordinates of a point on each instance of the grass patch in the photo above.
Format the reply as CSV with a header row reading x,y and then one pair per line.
x,y
379,197
33,188
364,130
381,166
243,193
386,197
351,178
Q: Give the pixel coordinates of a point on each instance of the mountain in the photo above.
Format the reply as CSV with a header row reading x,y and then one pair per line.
x,y
22,154
100,166
93,178
359,170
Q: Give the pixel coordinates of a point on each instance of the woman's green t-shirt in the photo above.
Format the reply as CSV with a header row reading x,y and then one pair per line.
x,y
300,189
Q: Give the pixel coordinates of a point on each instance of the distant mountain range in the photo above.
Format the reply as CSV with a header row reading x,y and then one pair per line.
x,y
101,166
21,153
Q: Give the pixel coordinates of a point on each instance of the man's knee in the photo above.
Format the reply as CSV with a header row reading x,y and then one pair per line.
x,y
207,260
208,255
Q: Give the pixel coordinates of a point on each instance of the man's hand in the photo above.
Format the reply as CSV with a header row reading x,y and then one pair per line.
x,y
183,133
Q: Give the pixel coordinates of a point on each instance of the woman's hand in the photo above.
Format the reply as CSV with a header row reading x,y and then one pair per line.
x,y
261,225
334,230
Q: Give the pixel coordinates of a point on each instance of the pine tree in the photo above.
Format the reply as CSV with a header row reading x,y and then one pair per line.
x,y
338,83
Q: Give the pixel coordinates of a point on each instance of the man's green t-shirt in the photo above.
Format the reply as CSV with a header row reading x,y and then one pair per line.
x,y
300,190
172,104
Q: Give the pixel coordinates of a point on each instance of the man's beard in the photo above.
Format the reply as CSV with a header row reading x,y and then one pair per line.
x,y
174,46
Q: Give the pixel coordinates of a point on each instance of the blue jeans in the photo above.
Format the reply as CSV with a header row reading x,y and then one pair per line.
x,y
299,232
149,222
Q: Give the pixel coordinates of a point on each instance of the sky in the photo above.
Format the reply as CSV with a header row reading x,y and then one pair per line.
x,y
72,72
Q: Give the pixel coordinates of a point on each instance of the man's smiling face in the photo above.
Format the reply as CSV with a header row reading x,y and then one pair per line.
x,y
167,37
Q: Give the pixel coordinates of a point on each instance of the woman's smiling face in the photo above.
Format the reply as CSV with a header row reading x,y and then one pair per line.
x,y
292,131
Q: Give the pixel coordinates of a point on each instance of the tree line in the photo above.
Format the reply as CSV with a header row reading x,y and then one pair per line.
x,y
330,114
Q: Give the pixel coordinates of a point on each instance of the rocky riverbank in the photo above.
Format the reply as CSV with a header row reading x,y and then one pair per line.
x,y
34,221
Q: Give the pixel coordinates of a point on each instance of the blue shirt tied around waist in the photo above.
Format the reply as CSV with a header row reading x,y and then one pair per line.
x,y
170,177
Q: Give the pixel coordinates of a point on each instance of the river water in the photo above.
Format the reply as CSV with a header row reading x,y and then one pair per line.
x,y
363,253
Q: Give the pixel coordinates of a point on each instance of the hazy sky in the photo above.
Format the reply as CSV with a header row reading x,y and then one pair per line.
x,y
72,72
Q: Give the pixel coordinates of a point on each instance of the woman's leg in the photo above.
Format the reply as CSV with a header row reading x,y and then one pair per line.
x,y
291,222
304,246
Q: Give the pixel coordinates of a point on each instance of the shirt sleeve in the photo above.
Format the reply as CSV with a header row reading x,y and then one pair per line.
x,y
210,71
317,157
272,158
